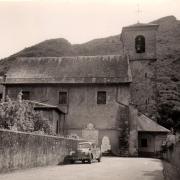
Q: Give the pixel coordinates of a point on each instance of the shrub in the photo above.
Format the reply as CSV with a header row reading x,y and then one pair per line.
x,y
20,115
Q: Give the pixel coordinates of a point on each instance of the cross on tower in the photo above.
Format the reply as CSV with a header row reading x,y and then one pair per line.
x,y
138,12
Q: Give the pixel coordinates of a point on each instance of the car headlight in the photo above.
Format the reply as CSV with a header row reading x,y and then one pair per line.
x,y
72,152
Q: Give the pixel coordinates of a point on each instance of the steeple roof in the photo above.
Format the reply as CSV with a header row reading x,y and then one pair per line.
x,y
141,25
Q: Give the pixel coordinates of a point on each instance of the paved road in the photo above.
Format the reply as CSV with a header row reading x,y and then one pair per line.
x,y
109,169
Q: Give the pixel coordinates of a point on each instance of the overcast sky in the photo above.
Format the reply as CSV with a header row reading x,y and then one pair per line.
x,y
28,22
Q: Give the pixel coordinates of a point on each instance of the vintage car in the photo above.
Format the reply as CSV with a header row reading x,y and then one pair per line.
x,y
86,151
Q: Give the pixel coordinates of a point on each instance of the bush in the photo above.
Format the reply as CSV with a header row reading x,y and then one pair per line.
x,y
20,115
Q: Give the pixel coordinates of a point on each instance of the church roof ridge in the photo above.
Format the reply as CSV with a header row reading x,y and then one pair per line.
x,y
70,57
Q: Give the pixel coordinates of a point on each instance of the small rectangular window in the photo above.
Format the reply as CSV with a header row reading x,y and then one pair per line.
x,y
63,97
25,95
101,97
58,127
144,143
0,96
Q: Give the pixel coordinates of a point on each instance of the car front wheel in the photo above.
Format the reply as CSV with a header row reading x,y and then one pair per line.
x,y
99,159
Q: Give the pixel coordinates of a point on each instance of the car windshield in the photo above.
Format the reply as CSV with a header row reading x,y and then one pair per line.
x,y
84,145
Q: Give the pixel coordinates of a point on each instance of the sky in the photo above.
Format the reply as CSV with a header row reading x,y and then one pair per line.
x,y
27,22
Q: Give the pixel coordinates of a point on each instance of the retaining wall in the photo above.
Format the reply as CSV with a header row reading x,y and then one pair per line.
x,y
173,156
25,150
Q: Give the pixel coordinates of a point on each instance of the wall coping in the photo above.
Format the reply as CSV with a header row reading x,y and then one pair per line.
x,y
43,135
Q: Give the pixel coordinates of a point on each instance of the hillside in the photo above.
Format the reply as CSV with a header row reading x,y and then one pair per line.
x,y
61,47
168,62
168,70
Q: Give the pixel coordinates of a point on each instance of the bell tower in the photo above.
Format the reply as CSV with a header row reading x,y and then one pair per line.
x,y
139,43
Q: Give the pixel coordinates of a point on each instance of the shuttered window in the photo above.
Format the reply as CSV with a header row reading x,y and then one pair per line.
x,y
101,97
62,97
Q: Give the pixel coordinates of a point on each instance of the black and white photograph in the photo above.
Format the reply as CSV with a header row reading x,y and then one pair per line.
x,y
90,90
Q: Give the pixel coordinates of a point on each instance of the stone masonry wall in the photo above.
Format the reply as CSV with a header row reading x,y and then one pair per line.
x,y
173,156
143,87
24,150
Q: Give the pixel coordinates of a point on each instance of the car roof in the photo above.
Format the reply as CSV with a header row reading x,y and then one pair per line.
x,y
86,142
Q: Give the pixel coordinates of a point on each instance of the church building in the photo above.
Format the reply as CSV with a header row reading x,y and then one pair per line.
x,y
97,97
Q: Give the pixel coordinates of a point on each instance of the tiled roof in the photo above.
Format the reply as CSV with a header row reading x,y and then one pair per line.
x,y
38,105
80,69
146,124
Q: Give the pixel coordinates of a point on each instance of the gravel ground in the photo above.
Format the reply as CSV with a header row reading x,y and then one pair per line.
x,y
111,168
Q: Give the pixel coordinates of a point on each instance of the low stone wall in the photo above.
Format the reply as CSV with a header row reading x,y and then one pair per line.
x,y
25,150
173,156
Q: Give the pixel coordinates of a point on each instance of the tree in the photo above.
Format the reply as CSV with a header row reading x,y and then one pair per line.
x,y
20,115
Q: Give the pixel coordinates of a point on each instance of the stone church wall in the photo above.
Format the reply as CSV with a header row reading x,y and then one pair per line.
x,y
82,107
143,87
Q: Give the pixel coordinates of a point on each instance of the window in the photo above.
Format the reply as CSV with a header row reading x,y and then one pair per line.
x,y
0,96
63,97
25,95
140,44
144,143
58,126
101,97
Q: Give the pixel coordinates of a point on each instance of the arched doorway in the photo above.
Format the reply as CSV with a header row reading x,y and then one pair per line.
x,y
106,145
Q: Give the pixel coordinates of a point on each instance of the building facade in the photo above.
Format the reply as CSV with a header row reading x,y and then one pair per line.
x,y
95,93
92,92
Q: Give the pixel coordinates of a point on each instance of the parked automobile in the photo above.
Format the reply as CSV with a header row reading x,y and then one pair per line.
x,y
86,151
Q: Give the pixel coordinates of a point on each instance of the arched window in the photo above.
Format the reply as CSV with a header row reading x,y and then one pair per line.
x,y
140,44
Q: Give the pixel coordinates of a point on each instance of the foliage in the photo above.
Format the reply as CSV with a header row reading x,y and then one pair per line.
x,y
42,126
20,115
168,117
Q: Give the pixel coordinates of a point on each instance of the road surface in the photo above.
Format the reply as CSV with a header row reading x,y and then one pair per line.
x,y
110,168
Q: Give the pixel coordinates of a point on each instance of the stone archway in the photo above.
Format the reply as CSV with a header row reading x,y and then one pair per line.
x,y
106,145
